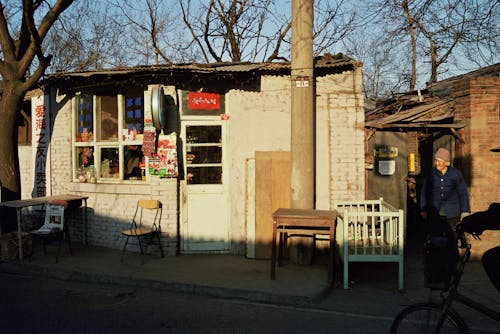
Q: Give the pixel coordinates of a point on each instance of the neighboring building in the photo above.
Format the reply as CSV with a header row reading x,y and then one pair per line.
x,y
98,134
461,113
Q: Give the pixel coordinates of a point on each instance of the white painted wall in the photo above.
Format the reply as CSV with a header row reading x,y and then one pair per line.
x,y
258,121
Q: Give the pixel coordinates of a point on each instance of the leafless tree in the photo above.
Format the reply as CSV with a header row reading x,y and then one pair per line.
x,y
440,32
259,30
230,30
333,22
87,37
21,38
384,72
147,22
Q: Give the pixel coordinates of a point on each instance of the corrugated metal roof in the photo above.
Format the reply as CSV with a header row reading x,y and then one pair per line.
x,y
431,107
422,115
325,62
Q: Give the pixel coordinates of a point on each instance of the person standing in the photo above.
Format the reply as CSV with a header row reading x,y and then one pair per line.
x,y
444,195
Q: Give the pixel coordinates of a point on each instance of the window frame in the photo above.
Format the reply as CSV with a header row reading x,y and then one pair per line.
x,y
97,145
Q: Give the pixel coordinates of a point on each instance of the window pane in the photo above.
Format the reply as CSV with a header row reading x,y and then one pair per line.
x,y
134,115
204,154
204,175
109,163
85,156
134,164
109,118
84,119
203,134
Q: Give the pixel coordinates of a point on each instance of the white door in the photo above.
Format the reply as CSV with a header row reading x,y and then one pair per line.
x,y
204,205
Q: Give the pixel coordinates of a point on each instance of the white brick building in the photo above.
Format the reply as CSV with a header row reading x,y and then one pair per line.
x,y
215,210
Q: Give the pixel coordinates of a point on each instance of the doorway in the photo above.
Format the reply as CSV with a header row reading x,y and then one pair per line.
x,y
204,205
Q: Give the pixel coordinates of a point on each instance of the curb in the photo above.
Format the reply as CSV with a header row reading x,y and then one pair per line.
x,y
176,287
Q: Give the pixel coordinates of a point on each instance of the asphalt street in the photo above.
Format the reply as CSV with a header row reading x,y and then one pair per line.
x,y
40,305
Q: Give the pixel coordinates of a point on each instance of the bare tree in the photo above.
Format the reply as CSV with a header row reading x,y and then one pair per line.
x,y
233,31
87,37
147,22
383,75
439,32
21,42
259,30
333,22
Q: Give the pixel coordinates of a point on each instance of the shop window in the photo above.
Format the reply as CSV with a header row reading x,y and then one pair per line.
x,y
108,137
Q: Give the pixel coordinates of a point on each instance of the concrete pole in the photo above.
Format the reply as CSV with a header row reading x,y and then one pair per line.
x,y
302,122
302,115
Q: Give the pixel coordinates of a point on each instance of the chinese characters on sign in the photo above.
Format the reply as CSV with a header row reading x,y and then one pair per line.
x,y
40,135
203,101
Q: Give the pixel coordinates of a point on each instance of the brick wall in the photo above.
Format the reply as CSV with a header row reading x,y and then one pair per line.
x,y
340,100
110,206
479,107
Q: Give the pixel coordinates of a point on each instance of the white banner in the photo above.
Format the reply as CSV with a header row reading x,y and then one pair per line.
x,y
40,141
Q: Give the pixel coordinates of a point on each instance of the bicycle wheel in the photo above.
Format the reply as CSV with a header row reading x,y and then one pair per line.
x,y
422,318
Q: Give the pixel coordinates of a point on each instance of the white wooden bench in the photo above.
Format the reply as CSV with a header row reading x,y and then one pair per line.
x,y
372,231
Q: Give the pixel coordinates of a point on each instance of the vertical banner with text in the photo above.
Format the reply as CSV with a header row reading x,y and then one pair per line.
x,y
40,122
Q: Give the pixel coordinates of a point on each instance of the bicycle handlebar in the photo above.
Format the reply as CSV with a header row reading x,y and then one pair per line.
x,y
461,236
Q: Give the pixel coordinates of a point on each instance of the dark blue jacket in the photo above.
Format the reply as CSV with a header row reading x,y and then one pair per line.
x,y
448,192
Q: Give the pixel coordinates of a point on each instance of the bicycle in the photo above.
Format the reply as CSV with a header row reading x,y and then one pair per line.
x,y
440,317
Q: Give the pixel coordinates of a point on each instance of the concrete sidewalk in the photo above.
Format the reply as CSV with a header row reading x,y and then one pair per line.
x,y
373,286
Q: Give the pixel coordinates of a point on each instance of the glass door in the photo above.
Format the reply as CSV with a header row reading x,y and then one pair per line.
x,y
204,208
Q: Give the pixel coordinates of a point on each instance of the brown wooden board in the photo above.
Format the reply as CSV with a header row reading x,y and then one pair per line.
x,y
272,191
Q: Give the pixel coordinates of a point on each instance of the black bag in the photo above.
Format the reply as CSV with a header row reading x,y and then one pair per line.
x,y
440,255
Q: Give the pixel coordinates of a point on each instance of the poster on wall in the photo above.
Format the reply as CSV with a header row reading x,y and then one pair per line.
x,y
40,132
148,141
164,162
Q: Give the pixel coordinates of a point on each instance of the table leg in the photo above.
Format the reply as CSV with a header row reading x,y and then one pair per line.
x,y
85,221
280,247
19,234
273,252
332,267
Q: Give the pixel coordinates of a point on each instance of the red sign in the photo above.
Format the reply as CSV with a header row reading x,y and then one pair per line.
x,y
203,101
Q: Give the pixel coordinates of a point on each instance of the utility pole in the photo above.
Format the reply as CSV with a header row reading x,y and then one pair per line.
x,y
302,119
302,116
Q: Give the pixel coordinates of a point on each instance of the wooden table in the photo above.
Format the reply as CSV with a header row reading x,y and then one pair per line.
x,y
24,203
303,221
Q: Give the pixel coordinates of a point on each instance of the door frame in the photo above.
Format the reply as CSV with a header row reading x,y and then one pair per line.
x,y
184,187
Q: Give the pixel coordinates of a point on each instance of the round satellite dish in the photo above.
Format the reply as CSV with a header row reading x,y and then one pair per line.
x,y
158,107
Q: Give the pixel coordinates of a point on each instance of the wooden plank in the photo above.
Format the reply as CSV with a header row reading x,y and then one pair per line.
x,y
272,191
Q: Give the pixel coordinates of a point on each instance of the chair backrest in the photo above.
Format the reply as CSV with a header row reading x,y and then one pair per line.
x,y
54,216
148,210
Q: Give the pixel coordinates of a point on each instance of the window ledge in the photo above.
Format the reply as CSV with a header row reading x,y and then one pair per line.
x,y
140,188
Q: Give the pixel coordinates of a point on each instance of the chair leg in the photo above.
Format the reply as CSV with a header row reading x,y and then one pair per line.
x,y
124,247
59,247
140,247
43,245
159,244
69,242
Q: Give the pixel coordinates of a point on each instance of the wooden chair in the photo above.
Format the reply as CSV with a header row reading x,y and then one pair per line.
x,y
146,223
54,227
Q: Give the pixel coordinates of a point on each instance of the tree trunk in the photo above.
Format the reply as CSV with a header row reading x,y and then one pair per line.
x,y
10,180
9,157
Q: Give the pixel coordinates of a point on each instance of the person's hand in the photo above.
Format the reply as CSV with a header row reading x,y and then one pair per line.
x,y
464,214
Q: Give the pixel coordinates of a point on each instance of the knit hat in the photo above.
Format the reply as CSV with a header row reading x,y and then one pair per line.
x,y
442,154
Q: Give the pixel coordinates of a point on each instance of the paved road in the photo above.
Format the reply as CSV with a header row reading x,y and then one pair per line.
x,y
40,305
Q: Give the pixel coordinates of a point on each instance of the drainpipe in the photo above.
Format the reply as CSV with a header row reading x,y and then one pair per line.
x,y
302,121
